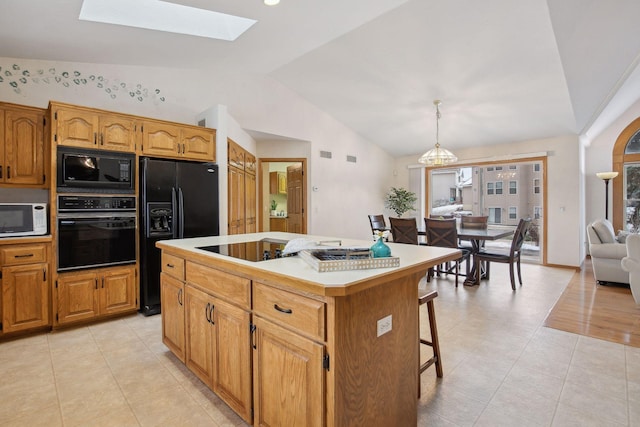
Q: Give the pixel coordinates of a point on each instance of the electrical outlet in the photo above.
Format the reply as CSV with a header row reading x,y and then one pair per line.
x,y
384,325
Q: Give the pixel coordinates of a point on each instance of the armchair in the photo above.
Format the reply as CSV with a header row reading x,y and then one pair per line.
x,y
606,253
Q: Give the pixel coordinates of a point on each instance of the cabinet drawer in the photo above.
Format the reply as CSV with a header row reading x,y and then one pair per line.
x,y
23,254
173,265
226,286
290,310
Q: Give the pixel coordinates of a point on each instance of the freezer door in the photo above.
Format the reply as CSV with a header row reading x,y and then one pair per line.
x,y
198,197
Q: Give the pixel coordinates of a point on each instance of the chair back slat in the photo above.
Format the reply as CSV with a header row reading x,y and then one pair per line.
x,y
441,232
377,223
476,222
404,230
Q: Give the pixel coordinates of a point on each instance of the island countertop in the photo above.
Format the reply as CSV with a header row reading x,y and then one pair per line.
x,y
297,273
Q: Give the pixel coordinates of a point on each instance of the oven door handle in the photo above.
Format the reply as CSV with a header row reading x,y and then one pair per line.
x,y
87,221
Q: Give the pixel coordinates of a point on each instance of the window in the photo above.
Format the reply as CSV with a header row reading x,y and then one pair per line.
x,y
536,186
490,169
513,187
490,188
495,216
513,167
513,212
536,167
498,168
498,187
537,212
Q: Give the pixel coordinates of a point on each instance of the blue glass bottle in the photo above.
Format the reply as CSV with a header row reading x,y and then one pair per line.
x,y
379,249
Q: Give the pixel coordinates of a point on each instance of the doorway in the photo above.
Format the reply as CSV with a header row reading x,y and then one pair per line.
x,y
282,195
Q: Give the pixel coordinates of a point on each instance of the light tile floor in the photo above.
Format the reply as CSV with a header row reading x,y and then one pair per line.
x,y
501,368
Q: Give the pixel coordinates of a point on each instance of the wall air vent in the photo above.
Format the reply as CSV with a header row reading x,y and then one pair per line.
x,y
325,154
351,159
202,123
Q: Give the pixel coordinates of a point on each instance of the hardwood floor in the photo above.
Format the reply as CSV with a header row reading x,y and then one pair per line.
x,y
604,312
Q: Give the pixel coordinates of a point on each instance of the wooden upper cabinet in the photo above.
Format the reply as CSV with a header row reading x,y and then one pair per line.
x,y
236,155
117,133
79,127
249,163
177,141
22,154
199,143
161,139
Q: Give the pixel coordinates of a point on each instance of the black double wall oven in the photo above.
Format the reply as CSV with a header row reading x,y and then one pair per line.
x,y
96,209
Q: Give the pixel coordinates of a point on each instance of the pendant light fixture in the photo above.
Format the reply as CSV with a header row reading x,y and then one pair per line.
x,y
438,156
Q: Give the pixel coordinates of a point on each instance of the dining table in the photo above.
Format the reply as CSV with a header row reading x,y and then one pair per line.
x,y
477,236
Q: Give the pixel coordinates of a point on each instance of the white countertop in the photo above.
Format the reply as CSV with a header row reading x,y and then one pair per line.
x,y
411,257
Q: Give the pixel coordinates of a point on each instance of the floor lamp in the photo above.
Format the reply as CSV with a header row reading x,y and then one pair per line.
x,y
606,176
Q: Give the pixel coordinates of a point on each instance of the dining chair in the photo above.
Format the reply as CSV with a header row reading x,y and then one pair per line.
x,y
513,257
404,230
444,233
377,224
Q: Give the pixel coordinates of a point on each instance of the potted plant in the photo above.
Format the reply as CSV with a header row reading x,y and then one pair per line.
x,y
400,200
274,207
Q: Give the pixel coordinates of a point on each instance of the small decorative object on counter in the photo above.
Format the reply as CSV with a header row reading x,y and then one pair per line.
x,y
379,249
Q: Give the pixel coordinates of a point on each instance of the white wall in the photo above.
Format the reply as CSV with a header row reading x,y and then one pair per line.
x,y
346,192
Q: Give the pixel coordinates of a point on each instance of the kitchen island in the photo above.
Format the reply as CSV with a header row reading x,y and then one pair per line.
x,y
283,344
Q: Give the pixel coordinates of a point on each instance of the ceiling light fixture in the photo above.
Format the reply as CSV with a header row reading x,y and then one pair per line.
x,y
271,2
438,156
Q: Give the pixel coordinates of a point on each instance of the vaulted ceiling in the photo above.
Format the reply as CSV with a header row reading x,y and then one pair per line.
x,y
505,70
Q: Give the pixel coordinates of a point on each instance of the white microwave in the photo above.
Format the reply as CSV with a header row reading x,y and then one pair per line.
x,y
23,219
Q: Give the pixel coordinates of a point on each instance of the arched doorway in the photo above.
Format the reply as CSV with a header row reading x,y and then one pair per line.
x,y
626,191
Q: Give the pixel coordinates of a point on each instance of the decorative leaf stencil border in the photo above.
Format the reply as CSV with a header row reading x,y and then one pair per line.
x,y
18,78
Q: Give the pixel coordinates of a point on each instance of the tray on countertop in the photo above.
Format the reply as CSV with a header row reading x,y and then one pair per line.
x,y
341,259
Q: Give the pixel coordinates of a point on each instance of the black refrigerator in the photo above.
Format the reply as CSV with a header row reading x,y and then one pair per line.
x,y
178,199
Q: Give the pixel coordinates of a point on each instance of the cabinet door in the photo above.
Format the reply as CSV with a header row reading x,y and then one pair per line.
x,y
24,147
162,139
236,201
232,357
77,297
250,203
78,128
288,378
198,144
117,133
172,300
117,291
25,297
235,155
199,334
249,163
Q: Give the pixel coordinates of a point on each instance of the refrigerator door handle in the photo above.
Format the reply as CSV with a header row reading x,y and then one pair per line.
x,y
175,213
181,208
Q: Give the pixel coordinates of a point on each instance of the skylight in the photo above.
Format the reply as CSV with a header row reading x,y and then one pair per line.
x,y
163,16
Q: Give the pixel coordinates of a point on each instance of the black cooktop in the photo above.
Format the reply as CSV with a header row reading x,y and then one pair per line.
x,y
261,250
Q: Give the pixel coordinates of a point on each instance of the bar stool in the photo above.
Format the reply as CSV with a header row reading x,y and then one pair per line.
x,y
428,298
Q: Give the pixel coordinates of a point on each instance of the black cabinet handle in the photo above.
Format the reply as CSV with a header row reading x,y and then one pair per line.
x,y
180,297
23,256
96,283
8,172
95,138
0,171
207,313
211,314
170,265
44,274
103,283
282,310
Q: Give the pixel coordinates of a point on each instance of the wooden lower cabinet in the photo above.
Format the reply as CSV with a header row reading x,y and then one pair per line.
x,y
288,387
24,287
172,297
25,297
90,294
217,347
